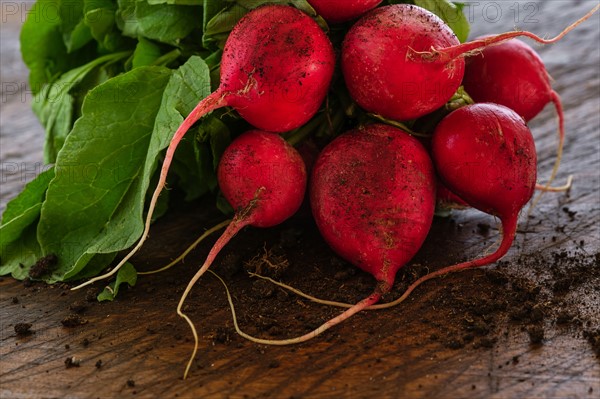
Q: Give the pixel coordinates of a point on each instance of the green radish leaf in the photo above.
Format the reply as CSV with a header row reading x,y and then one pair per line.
x,y
218,135
178,2
219,19
451,13
125,275
99,17
54,105
19,248
146,52
186,87
76,33
126,20
19,255
24,209
163,22
32,195
94,205
42,46
101,159
193,168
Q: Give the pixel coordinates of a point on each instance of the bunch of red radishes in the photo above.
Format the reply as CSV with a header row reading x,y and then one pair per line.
x,y
373,189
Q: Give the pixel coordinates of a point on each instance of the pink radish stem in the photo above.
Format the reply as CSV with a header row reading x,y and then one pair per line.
x,y
448,54
239,221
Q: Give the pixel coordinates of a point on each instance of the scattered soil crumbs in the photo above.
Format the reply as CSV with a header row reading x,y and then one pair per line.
x,y
91,295
73,320
473,309
471,313
43,266
23,329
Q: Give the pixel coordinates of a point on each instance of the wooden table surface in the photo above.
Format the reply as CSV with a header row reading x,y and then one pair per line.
x,y
137,346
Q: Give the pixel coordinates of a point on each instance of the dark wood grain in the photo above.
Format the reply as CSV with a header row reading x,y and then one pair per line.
x,y
139,339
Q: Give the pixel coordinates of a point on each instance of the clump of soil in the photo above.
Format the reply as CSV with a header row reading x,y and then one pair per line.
x,y
23,329
73,320
43,266
78,306
91,295
223,335
72,362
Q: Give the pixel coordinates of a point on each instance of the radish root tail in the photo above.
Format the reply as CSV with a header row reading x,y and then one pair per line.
x,y
234,227
561,141
181,257
557,189
242,218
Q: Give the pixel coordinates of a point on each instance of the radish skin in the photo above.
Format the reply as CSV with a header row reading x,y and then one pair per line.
x,y
378,73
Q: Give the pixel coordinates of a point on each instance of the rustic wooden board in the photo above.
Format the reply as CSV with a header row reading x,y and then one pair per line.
x,y
403,352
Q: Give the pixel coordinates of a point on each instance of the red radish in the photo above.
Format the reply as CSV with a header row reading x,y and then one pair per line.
x,y
514,75
275,71
403,62
264,179
337,11
378,73
372,194
485,153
